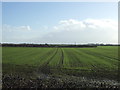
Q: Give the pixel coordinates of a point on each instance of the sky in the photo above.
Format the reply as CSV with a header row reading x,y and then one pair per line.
x,y
60,22
0,13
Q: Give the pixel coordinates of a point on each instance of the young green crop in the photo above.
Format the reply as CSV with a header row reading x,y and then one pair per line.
x,y
102,60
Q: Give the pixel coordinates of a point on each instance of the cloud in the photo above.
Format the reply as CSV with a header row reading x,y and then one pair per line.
x,y
101,24
84,31
72,24
17,33
22,33
69,25
66,31
24,28
16,28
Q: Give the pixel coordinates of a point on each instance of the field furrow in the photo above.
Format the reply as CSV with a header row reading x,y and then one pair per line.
x,y
61,59
45,68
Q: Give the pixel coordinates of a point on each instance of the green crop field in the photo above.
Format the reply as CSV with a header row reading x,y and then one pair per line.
x,y
99,62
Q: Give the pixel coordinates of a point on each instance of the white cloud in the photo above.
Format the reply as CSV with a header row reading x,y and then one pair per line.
x,y
17,33
16,28
24,28
85,31
69,25
97,24
101,24
66,31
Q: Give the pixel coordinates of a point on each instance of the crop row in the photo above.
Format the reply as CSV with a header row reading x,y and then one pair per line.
x,y
102,60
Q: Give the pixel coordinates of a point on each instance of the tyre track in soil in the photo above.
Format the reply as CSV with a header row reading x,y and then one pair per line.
x,y
45,68
49,52
61,62
60,65
60,68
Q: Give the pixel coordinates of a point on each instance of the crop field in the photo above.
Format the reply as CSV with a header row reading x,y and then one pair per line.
x,y
99,62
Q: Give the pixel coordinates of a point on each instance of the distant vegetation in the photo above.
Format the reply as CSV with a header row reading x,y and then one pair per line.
x,y
55,45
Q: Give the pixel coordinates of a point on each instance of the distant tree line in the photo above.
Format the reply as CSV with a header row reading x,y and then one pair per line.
x,y
54,45
46,45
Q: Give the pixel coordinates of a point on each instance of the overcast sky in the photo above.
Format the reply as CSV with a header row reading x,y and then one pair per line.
x,y
60,22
